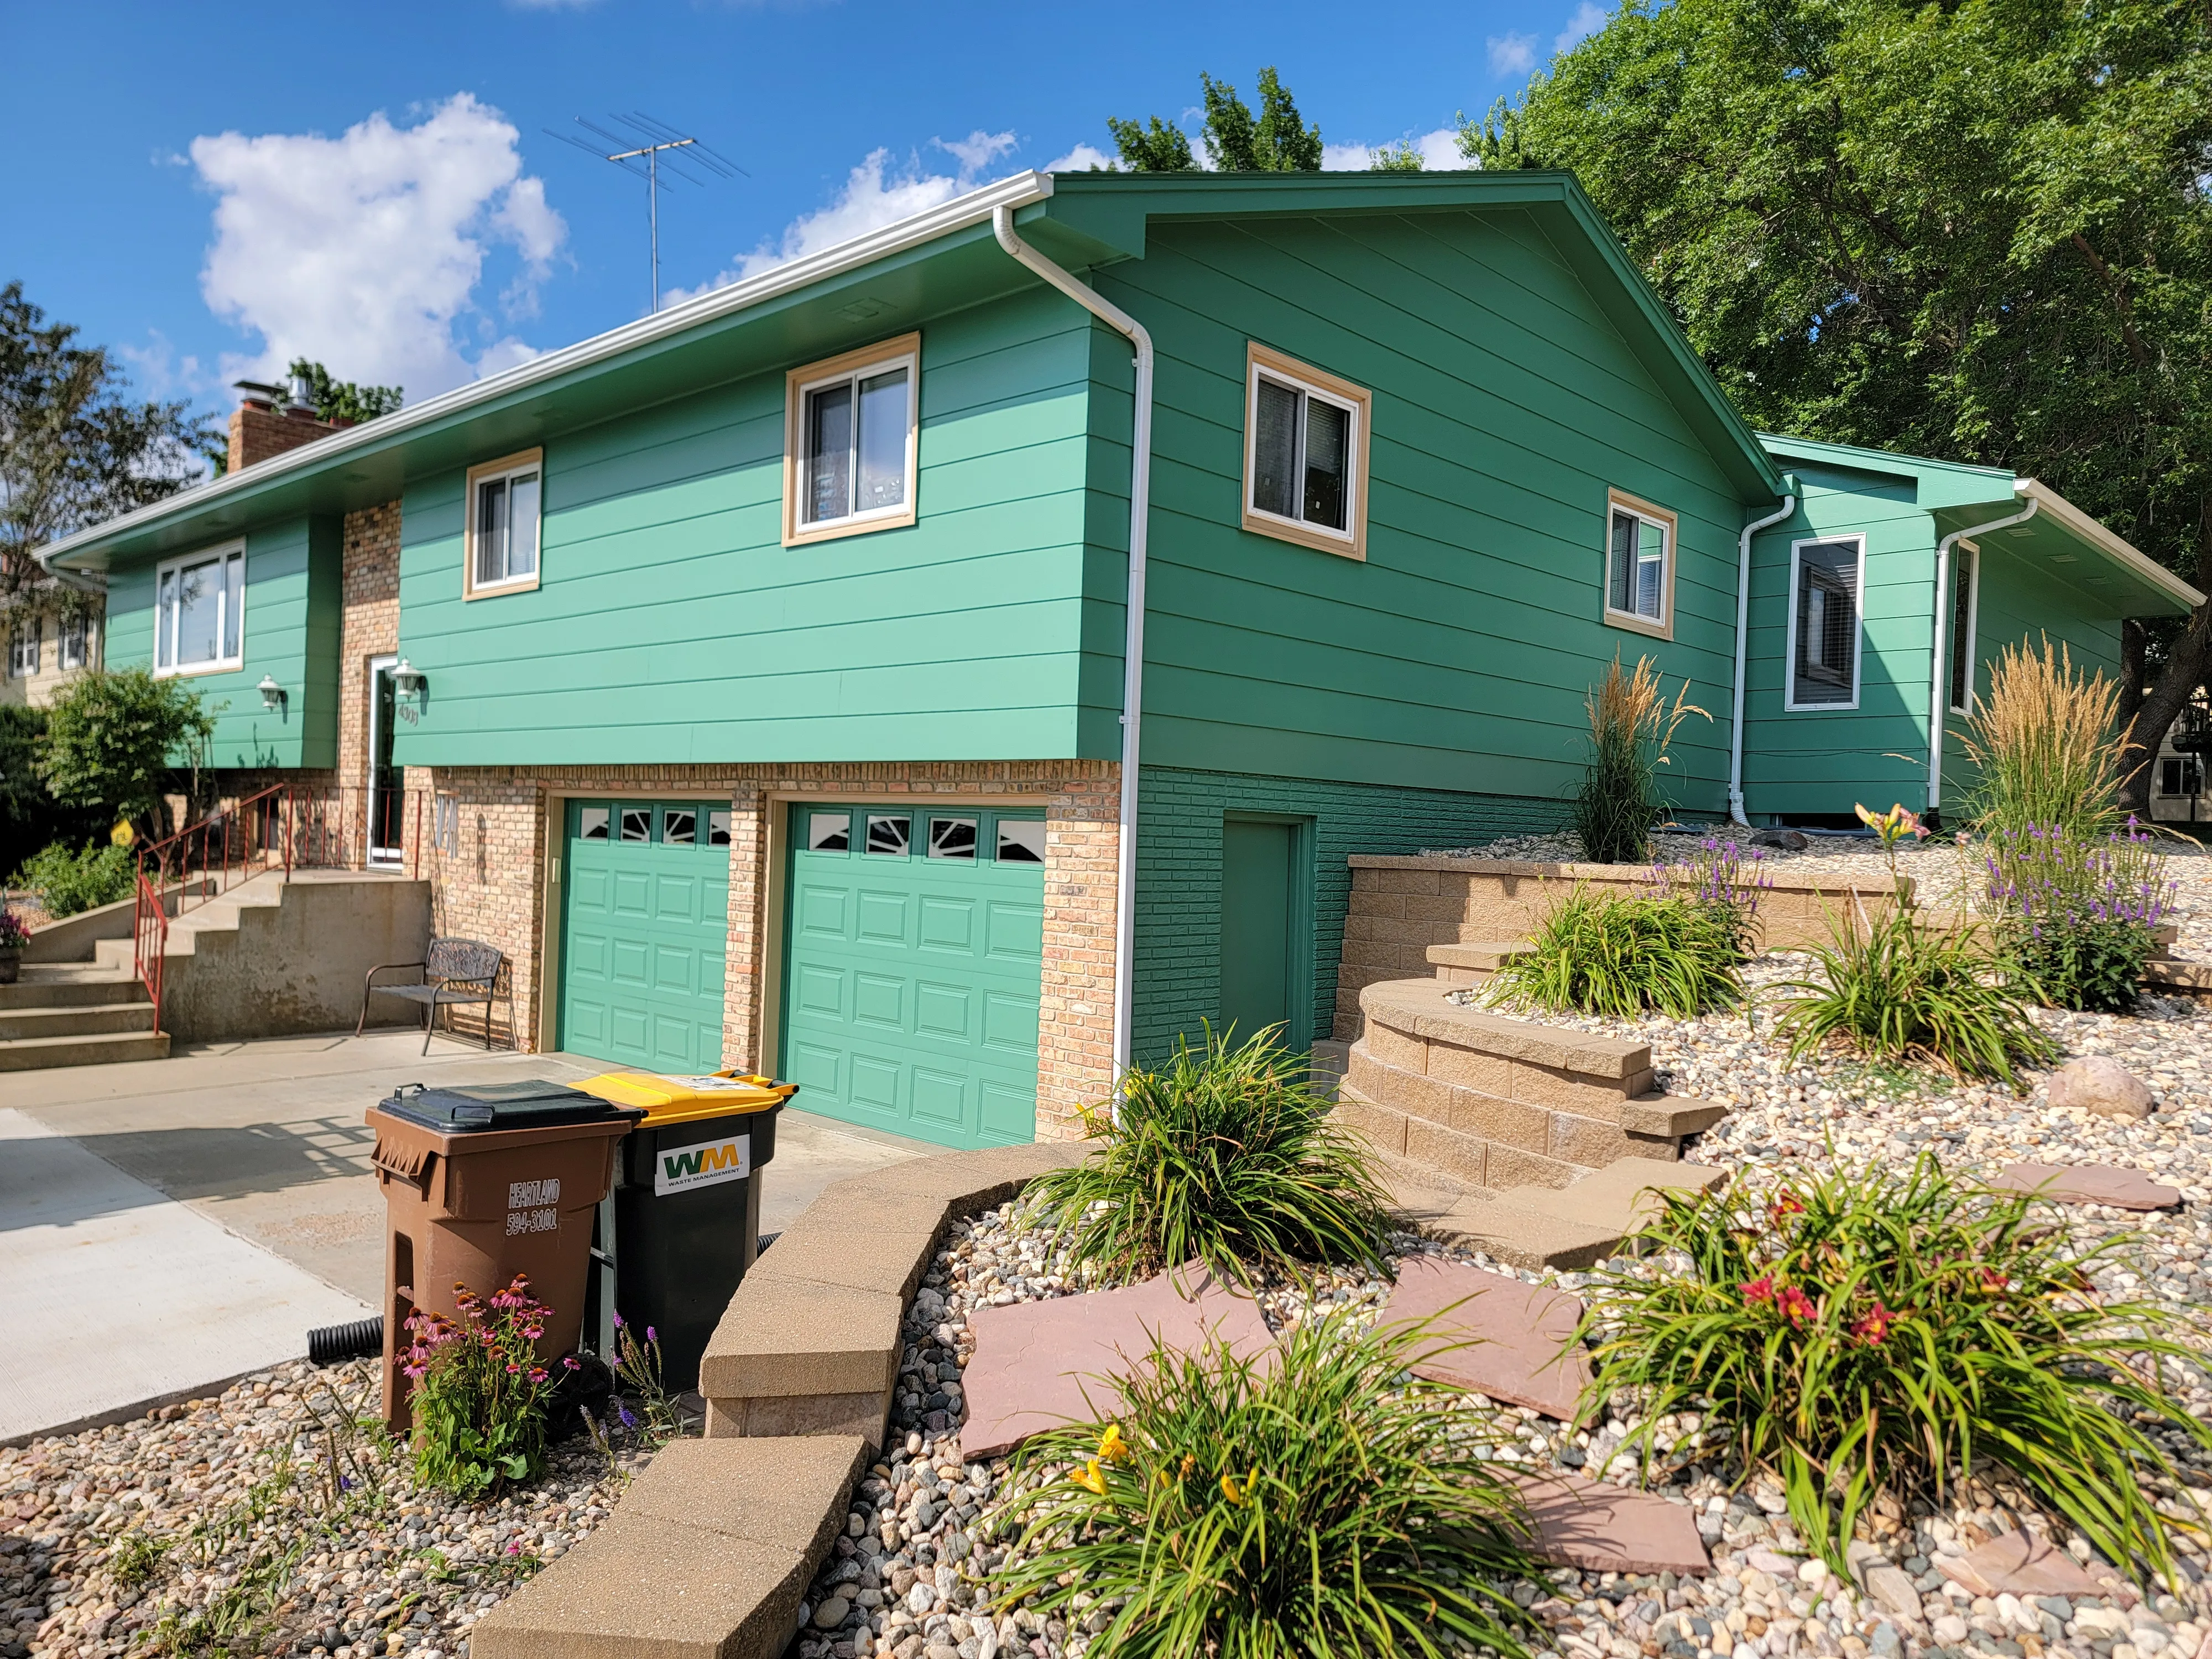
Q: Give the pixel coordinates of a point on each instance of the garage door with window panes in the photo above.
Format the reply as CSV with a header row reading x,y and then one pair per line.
x,y
913,944
645,927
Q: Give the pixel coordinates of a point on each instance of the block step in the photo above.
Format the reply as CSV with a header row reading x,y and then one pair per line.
x,y
1480,957
2194,977
38,1054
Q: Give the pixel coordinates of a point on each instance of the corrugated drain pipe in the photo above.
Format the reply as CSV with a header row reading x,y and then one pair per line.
x,y
1132,646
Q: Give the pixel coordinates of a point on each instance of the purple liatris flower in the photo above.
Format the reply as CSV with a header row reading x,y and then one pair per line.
x,y
652,1336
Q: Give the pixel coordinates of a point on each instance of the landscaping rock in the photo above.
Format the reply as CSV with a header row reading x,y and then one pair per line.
x,y
2027,1564
1509,1336
2088,1183
1788,841
2100,1083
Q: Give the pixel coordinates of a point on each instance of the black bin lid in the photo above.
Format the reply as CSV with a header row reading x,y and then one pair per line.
x,y
532,1103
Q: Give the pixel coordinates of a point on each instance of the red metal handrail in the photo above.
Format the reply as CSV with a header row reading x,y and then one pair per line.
x,y
153,946
231,844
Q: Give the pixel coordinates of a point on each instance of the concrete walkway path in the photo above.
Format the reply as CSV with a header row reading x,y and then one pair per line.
x,y
113,1295
261,1147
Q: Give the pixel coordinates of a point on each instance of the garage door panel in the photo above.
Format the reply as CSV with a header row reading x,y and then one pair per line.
x,y
632,893
675,898
939,960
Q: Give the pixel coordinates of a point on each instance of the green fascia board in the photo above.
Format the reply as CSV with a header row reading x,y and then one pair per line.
x,y
2103,575
1937,484
1102,214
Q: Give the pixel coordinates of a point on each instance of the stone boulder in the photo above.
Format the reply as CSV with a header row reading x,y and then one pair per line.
x,y
1789,841
2101,1084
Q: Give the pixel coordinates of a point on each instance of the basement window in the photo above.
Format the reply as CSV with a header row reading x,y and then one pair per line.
x,y
1825,578
851,441
505,519
1305,450
199,612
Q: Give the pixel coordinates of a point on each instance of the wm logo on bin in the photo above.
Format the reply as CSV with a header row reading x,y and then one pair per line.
x,y
682,1168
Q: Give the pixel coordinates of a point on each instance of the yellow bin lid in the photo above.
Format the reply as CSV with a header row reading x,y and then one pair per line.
x,y
677,1099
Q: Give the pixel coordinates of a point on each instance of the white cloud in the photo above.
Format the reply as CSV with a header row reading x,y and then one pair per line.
x,y
1081,159
1512,54
1439,153
1587,20
876,193
158,371
365,250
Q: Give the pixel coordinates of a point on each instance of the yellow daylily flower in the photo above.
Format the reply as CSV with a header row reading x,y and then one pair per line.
x,y
1092,1480
1231,1491
1189,1464
1112,1448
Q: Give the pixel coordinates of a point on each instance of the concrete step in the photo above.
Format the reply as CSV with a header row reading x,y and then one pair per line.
x,y
70,985
37,1054
88,1019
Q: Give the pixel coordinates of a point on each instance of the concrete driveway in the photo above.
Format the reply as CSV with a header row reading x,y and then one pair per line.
x,y
266,1141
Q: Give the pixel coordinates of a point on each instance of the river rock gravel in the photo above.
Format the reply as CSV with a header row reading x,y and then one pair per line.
x,y
229,1515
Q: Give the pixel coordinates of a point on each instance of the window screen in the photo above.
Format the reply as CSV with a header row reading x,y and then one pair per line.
x,y
1825,648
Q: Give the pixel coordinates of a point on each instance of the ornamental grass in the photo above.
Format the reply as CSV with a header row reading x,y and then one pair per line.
x,y
1632,726
1857,1333
1601,953
2044,743
1326,1502
1225,1156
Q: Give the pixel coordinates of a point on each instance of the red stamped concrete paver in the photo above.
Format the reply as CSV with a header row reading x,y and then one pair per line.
x,y
1602,1528
1513,1334
2028,1564
2089,1184
1035,1360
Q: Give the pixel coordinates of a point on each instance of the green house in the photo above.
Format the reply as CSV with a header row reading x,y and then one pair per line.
x,y
754,675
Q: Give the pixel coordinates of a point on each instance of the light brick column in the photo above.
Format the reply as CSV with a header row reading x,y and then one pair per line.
x,y
368,627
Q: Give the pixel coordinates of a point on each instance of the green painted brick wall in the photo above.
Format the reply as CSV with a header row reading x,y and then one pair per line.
x,y
1179,875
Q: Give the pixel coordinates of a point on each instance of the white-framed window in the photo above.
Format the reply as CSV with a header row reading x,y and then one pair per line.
x,y
75,642
1965,604
1827,577
23,644
1305,454
2181,774
1639,566
199,611
505,510
851,437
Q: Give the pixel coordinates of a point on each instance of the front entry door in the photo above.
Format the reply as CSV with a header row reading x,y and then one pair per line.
x,y
386,795
914,951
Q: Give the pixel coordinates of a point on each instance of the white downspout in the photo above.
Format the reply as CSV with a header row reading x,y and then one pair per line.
x,y
1937,700
1742,628
1132,644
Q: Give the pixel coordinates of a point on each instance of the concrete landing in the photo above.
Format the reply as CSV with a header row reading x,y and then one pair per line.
x,y
114,1296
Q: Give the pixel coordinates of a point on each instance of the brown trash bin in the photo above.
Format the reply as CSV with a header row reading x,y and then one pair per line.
x,y
482,1183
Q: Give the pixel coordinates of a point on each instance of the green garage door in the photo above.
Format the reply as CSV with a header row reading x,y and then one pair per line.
x,y
914,942
646,916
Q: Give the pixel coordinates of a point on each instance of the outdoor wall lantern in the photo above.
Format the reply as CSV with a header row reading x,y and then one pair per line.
x,y
407,679
272,694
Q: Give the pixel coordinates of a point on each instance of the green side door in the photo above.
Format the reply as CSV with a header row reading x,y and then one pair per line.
x,y
914,950
645,925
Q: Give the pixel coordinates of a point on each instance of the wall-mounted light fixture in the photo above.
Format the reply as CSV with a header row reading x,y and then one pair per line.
x,y
272,694
407,679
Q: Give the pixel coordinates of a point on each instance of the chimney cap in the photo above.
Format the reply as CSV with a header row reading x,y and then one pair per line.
x,y
258,391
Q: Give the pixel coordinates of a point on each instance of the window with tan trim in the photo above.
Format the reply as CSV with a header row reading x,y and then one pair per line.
x,y
1639,566
850,441
505,511
1305,454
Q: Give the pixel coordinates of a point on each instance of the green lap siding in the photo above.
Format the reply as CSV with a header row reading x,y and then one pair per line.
x,y
1179,876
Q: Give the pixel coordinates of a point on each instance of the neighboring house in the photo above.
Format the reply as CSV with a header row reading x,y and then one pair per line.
x,y
753,674
1845,631
46,648
2180,792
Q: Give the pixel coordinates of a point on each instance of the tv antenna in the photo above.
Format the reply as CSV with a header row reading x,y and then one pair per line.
x,y
642,161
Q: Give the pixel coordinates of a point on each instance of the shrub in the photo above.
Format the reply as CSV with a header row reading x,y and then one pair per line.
x,y
1631,724
68,882
479,1392
2075,915
1892,989
1225,1155
1328,1504
1599,953
2044,743
113,739
1857,1333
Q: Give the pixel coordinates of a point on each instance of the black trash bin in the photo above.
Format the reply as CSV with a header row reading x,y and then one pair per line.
x,y
681,1226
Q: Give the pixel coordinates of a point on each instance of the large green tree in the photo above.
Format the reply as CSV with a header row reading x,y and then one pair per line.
x,y
333,399
1277,140
1977,229
74,446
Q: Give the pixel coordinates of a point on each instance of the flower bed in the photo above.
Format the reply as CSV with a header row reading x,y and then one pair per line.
x,y
228,1518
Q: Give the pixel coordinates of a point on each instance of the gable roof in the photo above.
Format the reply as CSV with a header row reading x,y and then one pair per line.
x,y
806,308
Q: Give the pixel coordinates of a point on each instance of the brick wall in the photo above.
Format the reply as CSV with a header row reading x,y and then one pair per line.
x,y
368,596
1179,875
490,887
259,432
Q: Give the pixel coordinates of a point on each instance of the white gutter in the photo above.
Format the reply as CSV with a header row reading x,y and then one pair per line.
x,y
974,208
1938,690
1742,633
1133,643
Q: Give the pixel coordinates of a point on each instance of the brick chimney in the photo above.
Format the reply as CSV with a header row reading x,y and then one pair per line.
x,y
269,420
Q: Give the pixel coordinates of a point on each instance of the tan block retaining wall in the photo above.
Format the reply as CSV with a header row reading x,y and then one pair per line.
x,y
1400,906
713,1545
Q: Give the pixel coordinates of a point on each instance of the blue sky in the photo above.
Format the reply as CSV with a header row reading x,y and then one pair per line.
x,y
211,191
